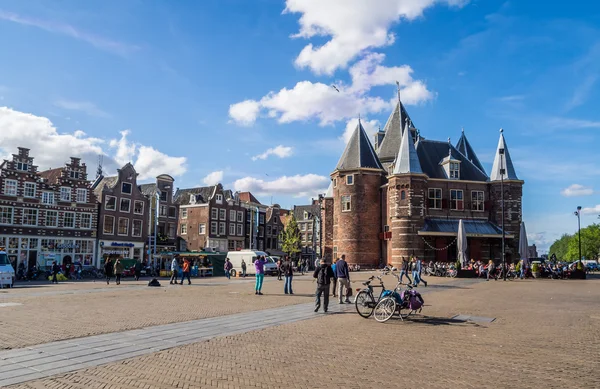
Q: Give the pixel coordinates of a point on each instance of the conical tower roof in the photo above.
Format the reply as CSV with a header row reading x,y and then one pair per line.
x,y
388,149
407,160
329,193
359,153
464,147
503,161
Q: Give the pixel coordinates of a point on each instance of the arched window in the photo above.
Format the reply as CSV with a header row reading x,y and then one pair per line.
x,y
402,195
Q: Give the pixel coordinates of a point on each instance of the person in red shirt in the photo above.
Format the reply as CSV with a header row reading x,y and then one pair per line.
x,y
186,272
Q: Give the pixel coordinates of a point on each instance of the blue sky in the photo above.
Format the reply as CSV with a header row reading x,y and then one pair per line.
x,y
198,88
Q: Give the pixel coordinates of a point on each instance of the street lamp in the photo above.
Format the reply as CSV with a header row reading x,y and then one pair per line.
x,y
578,214
502,172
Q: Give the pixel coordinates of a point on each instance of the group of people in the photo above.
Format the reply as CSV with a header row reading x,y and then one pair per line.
x,y
116,269
412,266
184,268
339,272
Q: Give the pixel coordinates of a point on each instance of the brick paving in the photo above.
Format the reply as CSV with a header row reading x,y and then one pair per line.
x,y
545,336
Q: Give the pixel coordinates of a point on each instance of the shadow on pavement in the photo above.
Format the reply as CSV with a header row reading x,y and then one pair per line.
x,y
431,320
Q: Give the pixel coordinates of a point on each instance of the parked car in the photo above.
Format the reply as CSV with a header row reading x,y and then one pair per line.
x,y
7,273
592,266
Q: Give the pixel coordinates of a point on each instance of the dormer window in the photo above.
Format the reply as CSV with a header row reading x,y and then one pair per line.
x,y
454,170
74,175
219,199
22,166
305,215
451,167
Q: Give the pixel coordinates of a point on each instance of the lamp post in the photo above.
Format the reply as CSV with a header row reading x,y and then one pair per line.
x,y
502,172
578,214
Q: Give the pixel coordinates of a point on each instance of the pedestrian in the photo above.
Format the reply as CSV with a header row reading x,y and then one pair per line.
x,y
243,268
279,270
323,274
301,265
416,270
343,276
118,271
335,279
259,267
79,270
186,272
288,272
55,270
317,264
490,269
138,270
404,270
108,270
228,266
68,270
523,270
174,269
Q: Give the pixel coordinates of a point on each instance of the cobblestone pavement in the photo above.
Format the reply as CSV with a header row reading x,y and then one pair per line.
x,y
546,335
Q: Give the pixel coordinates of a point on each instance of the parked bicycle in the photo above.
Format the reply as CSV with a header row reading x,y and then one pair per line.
x,y
365,300
395,301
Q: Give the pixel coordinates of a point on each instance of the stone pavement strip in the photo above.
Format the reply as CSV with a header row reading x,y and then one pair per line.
x,y
44,360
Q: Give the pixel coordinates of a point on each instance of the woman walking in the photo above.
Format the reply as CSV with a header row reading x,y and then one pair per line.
x,y
108,270
259,267
118,271
490,270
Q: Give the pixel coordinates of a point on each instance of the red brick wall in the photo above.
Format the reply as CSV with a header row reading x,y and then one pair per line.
x,y
327,225
195,216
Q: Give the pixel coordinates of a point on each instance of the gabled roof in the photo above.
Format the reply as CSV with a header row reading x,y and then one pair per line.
x,y
311,209
432,152
52,175
464,147
407,160
388,149
359,153
148,190
248,197
108,182
203,195
509,173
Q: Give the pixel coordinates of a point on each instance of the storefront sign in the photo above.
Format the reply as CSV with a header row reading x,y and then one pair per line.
x,y
67,246
117,244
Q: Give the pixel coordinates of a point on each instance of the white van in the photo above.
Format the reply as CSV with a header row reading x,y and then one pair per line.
x,y
249,256
7,273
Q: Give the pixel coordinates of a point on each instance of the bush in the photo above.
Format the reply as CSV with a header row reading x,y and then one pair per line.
x,y
59,277
518,267
535,268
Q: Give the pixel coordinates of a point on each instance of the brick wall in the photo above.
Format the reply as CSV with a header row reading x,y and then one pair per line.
x,y
196,215
327,217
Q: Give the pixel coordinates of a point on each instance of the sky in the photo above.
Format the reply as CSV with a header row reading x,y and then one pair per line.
x,y
240,91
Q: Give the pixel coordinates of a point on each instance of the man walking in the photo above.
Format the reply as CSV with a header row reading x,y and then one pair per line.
x,y
343,276
417,272
404,270
335,280
55,270
108,270
323,274
138,270
228,266
243,268
174,267
118,271
186,272
288,272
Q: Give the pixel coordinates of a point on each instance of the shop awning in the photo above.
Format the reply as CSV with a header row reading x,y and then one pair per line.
x,y
474,228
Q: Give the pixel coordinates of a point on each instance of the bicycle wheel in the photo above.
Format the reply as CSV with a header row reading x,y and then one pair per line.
x,y
385,309
364,303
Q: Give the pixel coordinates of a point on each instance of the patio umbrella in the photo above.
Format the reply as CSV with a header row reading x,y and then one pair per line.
x,y
523,245
461,244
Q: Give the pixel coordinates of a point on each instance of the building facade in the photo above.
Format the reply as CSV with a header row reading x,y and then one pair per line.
x,y
307,217
406,195
163,214
273,228
123,216
46,216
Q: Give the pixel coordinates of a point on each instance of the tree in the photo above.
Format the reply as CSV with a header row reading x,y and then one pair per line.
x,y
560,247
290,237
590,244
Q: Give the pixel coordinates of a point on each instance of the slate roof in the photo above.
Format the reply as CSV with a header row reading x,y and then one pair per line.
x,y
52,175
472,227
148,190
182,196
329,193
248,197
510,173
432,152
464,147
359,152
109,182
311,209
388,149
407,160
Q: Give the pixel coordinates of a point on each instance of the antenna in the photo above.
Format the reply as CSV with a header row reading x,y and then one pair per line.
x,y
99,170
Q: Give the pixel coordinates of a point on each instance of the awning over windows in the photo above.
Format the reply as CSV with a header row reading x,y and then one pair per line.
x,y
474,228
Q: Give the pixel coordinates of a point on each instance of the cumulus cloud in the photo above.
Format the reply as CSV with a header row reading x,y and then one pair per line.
x,y
51,149
370,126
280,151
591,210
297,186
244,113
213,178
577,190
351,27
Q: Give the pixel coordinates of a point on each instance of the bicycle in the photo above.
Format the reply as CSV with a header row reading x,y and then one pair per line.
x,y
393,302
365,301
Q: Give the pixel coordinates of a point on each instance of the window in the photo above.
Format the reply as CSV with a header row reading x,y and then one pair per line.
x,y
456,199
109,225
123,226
435,198
138,207
232,229
309,238
303,227
261,219
22,166
274,231
163,210
29,189
65,193
172,212
403,195
73,174
81,195
350,179
184,213
219,199
335,252
240,216
48,198
85,220
214,213
110,203
335,182
163,195
6,215
172,230
125,189
201,229
346,203
69,220
477,200
261,231
213,228
222,214
275,219
305,215
222,228
231,245
268,230
240,229
454,170
232,215
125,206
30,217
136,228
10,187
184,229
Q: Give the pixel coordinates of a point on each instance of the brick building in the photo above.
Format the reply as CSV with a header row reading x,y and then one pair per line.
x,y
263,225
46,216
406,196
211,217
123,220
308,218
160,194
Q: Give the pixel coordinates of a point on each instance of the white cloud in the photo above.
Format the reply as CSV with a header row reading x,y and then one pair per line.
x,y
51,149
370,126
244,113
591,210
352,27
297,186
568,123
213,178
82,106
577,190
279,151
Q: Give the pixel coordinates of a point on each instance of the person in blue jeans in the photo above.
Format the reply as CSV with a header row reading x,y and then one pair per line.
x,y
335,280
228,266
259,266
288,271
416,271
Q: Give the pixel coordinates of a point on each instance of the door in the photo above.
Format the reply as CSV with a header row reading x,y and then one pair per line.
x,y
32,259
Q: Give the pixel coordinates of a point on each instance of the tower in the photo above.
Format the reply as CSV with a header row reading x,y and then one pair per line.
x,y
356,183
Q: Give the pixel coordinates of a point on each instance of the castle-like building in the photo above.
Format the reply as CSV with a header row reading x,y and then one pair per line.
x,y
406,195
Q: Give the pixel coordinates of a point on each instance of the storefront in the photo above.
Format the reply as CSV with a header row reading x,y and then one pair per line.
x,y
41,252
132,250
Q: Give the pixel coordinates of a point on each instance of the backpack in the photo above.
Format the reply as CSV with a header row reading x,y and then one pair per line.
x,y
154,282
323,277
415,301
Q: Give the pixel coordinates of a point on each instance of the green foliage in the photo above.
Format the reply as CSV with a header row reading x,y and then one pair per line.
x,y
290,238
518,267
567,247
561,246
